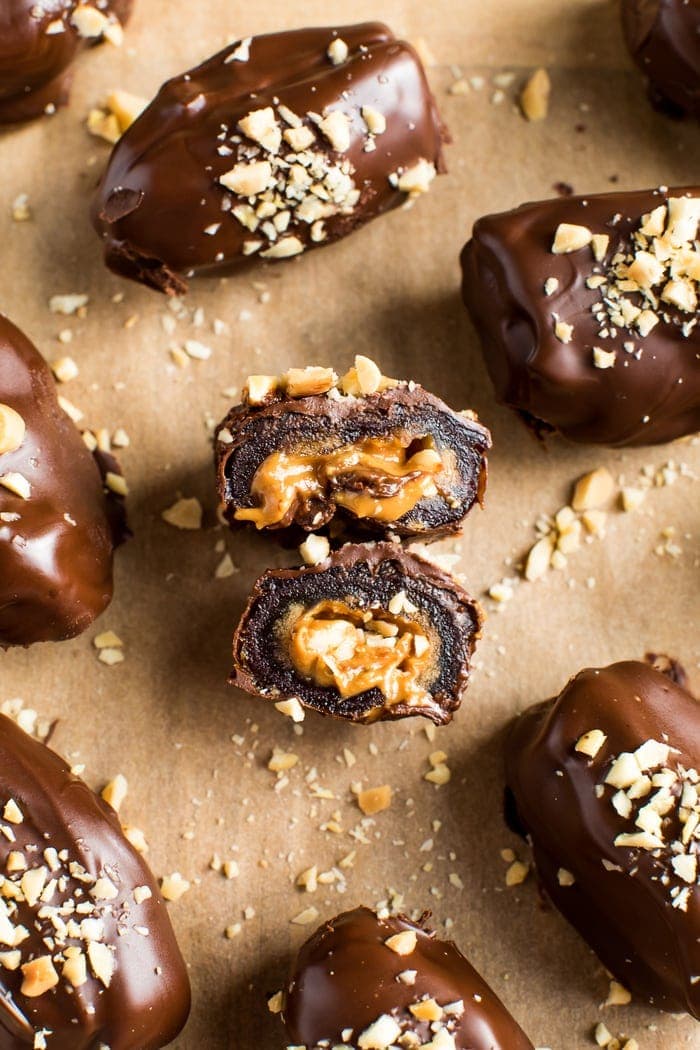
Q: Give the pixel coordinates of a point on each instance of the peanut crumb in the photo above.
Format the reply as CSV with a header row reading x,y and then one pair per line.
x,y
185,513
403,943
115,792
375,800
517,873
174,886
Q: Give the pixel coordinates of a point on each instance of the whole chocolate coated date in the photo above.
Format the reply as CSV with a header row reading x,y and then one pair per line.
x,y
89,957
57,531
587,310
604,779
274,146
381,979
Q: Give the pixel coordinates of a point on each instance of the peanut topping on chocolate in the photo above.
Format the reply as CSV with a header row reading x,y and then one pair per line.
x,y
12,429
350,987
656,277
293,140
659,798
587,310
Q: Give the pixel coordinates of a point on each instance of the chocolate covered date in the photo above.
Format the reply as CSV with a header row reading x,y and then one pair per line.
x,y
38,42
604,780
88,957
587,310
363,982
663,37
274,146
362,454
56,530
372,632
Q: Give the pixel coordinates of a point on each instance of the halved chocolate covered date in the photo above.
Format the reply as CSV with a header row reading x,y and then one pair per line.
x,y
373,632
88,957
363,982
663,37
38,42
57,533
587,309
605,781
364,454
276,145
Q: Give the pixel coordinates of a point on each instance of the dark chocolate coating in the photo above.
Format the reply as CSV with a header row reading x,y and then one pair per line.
x,y
554,385
369,573
346,977
323,424
56,559
148,999
663,37
34,64
161,191
625,913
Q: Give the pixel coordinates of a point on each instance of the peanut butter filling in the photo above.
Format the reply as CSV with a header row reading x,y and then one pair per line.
x,y
355,650
380,478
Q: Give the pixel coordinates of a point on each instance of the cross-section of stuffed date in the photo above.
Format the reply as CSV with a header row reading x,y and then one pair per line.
x,y
361,455
371,633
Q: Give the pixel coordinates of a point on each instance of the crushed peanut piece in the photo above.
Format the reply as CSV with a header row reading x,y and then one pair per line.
x,y
570,238
534,97
314,549
591,742
403,943
618,995
115,792
174,886
593,489
16,483
12,429
338,51
375,800
185,513
517,873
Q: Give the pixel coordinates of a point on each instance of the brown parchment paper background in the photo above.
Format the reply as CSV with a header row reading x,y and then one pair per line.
x,y
165,717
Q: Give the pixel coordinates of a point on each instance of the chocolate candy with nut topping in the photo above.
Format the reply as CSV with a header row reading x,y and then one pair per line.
x,y
274,146
604,780
587,310
88,957
38,42
371,633
56,533
363,455
381,979
663,37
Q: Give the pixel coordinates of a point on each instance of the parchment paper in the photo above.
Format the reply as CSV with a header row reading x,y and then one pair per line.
x,y
165,716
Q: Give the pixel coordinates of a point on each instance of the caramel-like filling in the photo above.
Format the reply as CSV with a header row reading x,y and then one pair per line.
x,y
333,644
380,478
